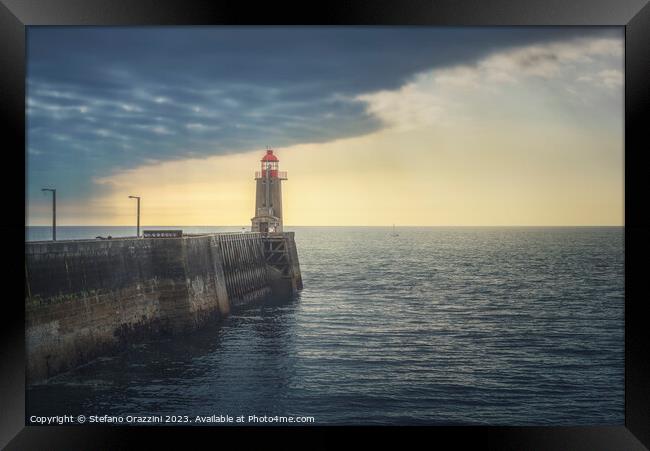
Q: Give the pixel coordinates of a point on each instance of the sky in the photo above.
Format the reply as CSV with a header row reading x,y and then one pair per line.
x,y
421,126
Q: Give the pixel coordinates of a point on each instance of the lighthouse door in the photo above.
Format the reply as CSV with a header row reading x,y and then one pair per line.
x,y
264,227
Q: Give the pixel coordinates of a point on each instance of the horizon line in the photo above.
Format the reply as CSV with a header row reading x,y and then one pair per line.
x,y
344,225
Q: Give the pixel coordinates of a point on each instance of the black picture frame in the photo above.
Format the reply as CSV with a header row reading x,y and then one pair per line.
x,y
634,15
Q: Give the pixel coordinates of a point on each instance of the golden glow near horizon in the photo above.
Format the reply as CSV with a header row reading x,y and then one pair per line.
x,y
502,142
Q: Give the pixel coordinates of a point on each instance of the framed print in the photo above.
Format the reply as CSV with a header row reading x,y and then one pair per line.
x,y
426,215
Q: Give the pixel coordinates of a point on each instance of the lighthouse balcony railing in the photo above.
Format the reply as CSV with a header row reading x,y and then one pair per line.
x,y
282,175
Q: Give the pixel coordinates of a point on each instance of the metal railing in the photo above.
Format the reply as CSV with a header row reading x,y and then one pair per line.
x,y
282,175
162,233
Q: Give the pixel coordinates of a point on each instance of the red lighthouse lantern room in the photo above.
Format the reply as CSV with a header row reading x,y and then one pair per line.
x,y
269,164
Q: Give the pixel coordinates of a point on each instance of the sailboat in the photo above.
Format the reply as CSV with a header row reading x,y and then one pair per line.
x,y
394,232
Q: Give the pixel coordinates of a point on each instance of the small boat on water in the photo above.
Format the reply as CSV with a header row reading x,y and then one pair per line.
x,y
394,233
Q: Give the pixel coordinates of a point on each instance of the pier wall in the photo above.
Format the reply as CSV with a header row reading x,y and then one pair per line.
x,y
87,298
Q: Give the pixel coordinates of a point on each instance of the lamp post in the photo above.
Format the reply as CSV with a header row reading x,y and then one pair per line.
x,y
53,211
138,198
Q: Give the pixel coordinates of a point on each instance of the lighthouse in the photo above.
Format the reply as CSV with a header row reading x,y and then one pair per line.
x,y
268,195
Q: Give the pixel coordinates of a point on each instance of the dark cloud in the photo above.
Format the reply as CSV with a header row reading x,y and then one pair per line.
x,y
101,99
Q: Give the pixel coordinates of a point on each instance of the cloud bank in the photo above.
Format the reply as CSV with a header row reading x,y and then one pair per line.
x,y
586,69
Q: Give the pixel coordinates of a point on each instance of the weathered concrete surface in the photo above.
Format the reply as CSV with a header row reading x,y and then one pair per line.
x,y
87,298
296,275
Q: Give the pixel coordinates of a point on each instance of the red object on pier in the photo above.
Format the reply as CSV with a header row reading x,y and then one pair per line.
x,y
270,164
269,156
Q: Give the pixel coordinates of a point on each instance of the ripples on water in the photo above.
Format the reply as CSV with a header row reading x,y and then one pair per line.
x,y
500,326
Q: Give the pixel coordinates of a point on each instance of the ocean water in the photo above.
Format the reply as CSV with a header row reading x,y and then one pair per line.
x,y
436,326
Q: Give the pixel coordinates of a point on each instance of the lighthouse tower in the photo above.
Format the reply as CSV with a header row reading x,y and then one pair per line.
x,y
268,196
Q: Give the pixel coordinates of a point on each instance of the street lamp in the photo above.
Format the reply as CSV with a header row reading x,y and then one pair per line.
x,y
137,197
53,211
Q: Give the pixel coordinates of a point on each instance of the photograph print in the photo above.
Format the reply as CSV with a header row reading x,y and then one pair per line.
x,y
318,226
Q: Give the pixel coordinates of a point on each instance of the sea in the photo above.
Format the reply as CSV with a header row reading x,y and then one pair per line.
x,y
416,326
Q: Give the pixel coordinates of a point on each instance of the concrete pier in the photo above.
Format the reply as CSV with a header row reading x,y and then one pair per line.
x,y
86,298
